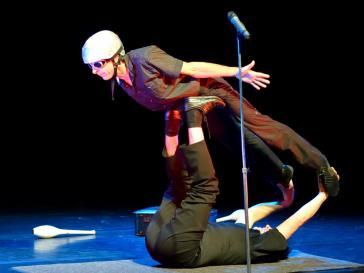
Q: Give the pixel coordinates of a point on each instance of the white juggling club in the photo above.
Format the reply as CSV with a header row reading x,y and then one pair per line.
x,y
47,231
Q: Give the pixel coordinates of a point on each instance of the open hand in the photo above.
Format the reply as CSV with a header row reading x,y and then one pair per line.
x,y
263,229
238,214
256,79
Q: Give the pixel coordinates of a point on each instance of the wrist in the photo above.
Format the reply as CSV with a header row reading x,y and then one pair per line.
x,y
322,196
236,72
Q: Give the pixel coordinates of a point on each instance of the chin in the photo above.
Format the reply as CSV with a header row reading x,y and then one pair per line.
x,y
106,77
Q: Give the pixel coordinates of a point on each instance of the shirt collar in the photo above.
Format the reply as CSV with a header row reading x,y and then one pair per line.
x,y
129,67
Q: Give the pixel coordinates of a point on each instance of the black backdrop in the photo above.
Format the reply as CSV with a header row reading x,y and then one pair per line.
x,y
66,145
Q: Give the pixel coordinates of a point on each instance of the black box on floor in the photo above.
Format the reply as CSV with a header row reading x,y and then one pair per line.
x,y
144,216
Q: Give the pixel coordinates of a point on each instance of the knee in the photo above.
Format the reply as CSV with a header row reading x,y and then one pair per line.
x,y
157,249
175,251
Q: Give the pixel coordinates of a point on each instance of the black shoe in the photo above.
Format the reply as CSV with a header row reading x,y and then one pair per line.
x,y
330,180
287,174
203,103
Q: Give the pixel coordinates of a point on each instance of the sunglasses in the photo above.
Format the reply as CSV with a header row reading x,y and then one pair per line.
x,y
97,65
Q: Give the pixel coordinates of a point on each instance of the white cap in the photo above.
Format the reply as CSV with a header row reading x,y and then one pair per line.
x,y
102,45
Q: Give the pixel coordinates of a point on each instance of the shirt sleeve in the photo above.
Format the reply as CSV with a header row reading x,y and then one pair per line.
x,y
164,63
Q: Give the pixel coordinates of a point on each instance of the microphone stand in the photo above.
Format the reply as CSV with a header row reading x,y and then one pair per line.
x,y
244,169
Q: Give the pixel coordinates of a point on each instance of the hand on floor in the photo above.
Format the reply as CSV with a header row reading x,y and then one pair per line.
x,y
263,229
238,214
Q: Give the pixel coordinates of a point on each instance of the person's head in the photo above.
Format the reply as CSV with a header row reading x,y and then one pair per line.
x,y
103,52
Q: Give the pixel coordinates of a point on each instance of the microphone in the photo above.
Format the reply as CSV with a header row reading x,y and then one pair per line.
x,y
239,26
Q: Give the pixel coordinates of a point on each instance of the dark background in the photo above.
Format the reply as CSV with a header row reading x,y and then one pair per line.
x,y
67,145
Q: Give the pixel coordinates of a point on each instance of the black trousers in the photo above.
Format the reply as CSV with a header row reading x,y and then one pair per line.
x,y
274,133
182,237
224,127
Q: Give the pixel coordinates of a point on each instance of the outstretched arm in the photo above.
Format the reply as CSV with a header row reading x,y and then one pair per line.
x,y
210,70
262,210
289,226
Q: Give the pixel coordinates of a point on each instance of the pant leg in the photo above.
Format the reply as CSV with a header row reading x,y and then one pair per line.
x,y
163,216
274,133
282,137
177,175
178,242
172,198
225,128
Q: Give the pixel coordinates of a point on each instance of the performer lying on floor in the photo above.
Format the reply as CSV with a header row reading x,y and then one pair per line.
x,y
181,236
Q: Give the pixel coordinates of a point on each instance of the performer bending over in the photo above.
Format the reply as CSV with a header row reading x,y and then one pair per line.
x,y
157,81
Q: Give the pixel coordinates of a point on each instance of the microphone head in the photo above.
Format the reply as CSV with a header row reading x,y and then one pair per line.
x,y
231,14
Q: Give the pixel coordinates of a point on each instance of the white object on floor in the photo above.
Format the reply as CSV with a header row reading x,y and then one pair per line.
x,y
47,231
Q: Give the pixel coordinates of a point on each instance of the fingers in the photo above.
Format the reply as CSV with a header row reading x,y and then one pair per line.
x,y
263,229
232,217
225,218
250,66
256,80
259,83
255,86
244,70
333,169
240,220
263,80
262,75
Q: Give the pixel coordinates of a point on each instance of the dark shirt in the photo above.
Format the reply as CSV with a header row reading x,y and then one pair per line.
x,y
156,78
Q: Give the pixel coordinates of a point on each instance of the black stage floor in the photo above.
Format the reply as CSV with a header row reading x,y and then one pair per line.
x,y
339,236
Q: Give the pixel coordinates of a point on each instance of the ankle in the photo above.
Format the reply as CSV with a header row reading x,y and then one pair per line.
x,y
173,121
171,144
194,118
195,134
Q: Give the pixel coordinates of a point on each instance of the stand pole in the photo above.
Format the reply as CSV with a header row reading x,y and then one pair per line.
x,y
244,169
